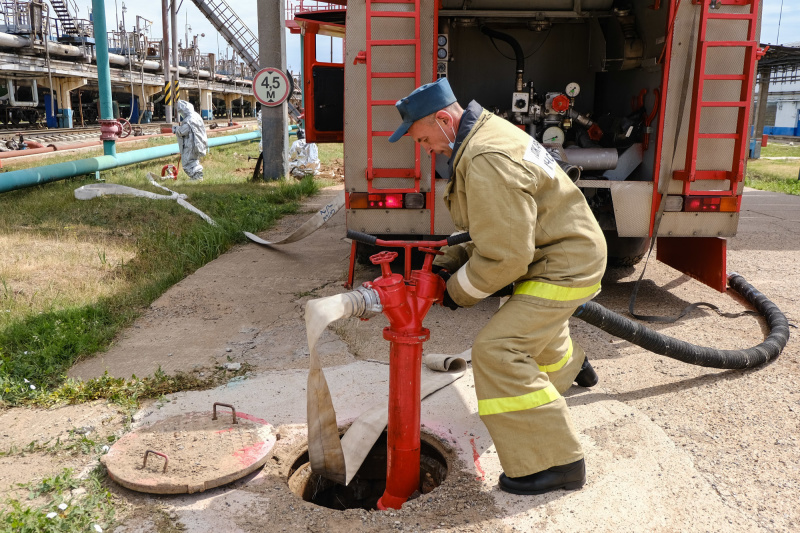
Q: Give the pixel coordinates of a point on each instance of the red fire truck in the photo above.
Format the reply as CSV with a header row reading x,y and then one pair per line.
x,y
649,98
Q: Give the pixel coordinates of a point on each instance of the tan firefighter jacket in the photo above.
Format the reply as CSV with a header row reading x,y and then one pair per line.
x,y
529,222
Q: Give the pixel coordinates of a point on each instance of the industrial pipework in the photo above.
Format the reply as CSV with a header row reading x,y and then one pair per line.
x,y
29,177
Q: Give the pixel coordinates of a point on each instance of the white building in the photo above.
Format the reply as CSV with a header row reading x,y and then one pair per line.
x,y
783,101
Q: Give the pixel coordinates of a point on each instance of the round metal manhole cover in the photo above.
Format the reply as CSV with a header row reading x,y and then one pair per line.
x,y
191,452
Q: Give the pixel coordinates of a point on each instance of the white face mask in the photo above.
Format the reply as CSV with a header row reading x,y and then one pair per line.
x,y
453,142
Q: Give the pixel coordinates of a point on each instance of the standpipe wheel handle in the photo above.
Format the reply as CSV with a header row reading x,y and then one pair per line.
x,y
383,259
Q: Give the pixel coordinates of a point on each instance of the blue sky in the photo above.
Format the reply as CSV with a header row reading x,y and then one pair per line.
x,y
247,10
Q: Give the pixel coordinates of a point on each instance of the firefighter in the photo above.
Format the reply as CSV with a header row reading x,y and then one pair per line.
x,y
530,226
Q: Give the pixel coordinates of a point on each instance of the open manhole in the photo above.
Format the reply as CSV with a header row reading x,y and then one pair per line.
x,y
369,482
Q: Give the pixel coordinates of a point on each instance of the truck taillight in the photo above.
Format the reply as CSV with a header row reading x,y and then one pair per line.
x,y
392,201
362,200
710,204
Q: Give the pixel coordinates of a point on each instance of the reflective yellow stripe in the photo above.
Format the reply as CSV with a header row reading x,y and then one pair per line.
x,y
548,291
560,363
518,403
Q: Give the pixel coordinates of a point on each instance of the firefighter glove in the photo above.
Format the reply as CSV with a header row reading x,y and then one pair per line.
x,y
448,302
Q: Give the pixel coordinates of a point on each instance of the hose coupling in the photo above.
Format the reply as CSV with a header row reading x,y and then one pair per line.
x,y
366,302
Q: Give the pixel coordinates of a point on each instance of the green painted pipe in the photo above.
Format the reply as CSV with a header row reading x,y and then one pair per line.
x,y
103,68
29,177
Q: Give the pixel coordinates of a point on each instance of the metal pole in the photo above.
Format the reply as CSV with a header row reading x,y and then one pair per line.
x,y
103,69
173,15
165,54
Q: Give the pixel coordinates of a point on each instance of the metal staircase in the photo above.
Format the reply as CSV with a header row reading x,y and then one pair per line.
x,y
232,28
61,10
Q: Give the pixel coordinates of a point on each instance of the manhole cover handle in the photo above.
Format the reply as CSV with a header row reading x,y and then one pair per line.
x,y
233,410
166,459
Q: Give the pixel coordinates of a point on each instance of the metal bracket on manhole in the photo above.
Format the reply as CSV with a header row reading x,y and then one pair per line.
x,y
233,410
166,459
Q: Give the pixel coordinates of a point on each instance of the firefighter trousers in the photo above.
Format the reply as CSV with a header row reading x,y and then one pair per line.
x,y
522,360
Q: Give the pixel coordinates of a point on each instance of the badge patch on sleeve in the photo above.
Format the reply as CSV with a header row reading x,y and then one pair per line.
x,y
537,155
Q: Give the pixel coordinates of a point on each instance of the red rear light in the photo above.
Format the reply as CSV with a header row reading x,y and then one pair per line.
x,y
709,204
376,201
394,201
693,204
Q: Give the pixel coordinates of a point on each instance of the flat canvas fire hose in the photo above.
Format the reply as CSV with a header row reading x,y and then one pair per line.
x,y
310,226
95,190
339,459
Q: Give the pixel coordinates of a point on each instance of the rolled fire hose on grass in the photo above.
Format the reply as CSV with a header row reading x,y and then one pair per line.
x,y
310,226
332,457
95,190
339,459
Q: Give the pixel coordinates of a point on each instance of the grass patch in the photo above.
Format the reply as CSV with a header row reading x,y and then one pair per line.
x,y
80,271
773,175
776,149
70,505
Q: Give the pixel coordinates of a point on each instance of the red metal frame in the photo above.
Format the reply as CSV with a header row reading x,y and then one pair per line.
x,y
294,7
736,174
667,55
377,173
310,32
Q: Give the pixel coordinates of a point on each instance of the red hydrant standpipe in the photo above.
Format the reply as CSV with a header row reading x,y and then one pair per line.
x,y
405,306
405,303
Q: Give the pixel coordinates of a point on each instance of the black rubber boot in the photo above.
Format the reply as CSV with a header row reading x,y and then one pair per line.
x,y
571,476
587,377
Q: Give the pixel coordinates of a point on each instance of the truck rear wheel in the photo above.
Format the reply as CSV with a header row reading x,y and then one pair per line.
x,y
625,251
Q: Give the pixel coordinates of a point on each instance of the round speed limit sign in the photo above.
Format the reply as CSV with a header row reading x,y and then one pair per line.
x,y
271,87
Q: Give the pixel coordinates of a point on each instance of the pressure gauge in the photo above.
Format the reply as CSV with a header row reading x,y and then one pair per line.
x,y
441,53
573,90
442,39
553,135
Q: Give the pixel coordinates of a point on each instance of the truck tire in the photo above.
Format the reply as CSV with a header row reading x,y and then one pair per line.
x,y
625,251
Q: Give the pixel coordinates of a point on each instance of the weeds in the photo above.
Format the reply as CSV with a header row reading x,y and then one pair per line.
x,y
71,505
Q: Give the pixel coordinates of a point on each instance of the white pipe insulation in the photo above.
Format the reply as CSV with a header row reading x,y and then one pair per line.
x,y
64,50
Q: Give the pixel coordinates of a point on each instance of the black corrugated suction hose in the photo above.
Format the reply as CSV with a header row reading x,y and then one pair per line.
x,y
634,332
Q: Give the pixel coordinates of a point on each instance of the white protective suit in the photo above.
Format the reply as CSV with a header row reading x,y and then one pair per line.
x,y
192,140
303,159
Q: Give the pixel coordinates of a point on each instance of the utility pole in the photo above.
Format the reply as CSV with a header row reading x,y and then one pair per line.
x,y
165,55
272,53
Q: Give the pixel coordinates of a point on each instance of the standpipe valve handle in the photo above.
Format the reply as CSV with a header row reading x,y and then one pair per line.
x,y
384,259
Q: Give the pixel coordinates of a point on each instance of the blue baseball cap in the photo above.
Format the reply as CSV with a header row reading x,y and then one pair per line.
x,y
423,101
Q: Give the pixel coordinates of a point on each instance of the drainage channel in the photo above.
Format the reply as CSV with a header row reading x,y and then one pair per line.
x,y
369,482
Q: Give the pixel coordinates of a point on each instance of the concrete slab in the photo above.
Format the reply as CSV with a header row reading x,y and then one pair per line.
x,y
669,446
633,465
